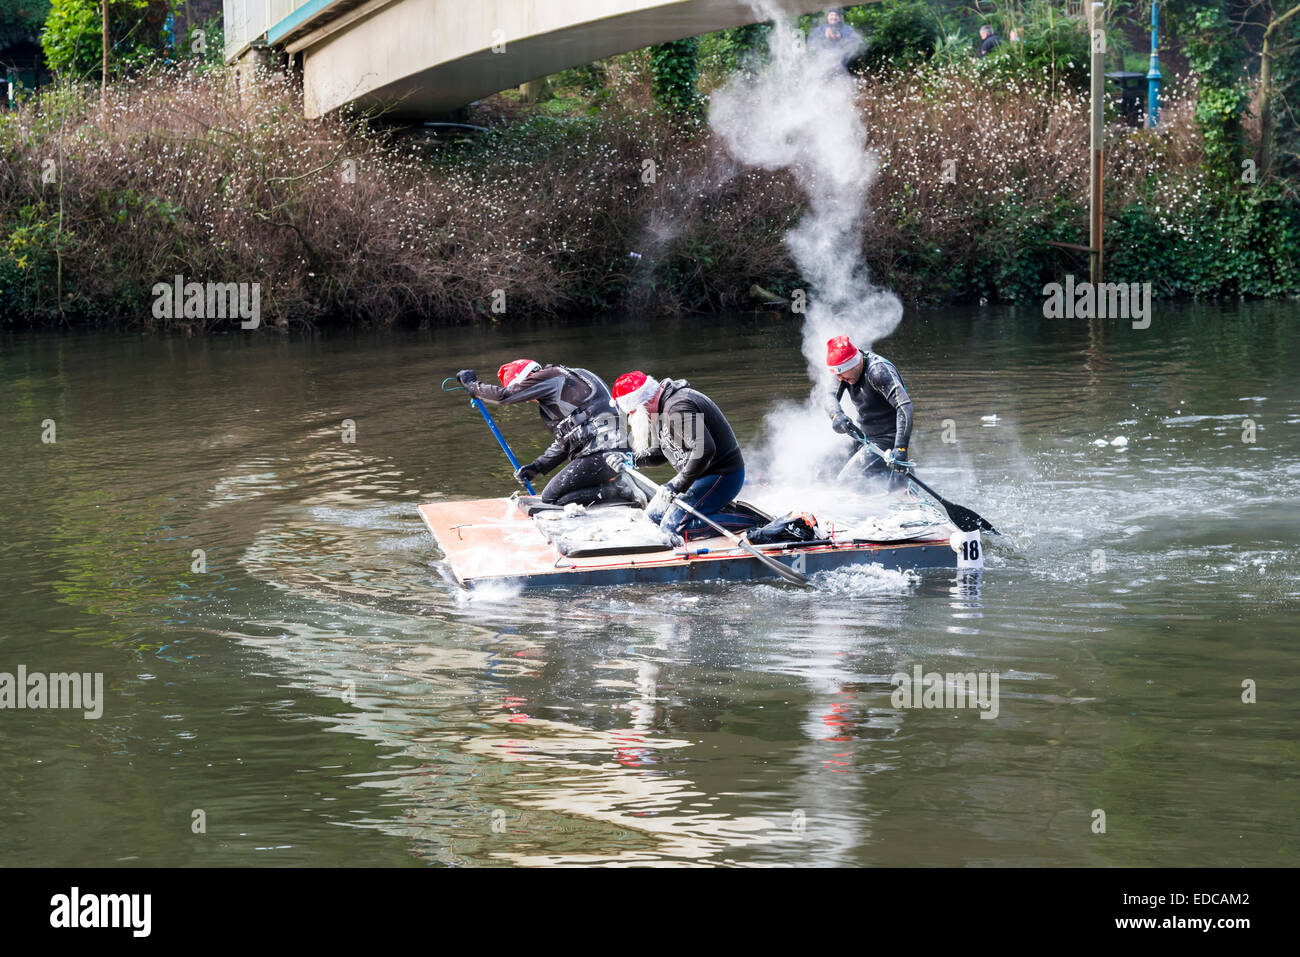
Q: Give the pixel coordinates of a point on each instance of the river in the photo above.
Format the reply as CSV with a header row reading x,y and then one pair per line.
x,y
321,694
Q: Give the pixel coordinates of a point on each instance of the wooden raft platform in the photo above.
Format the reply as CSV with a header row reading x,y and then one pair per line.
x,y
493,540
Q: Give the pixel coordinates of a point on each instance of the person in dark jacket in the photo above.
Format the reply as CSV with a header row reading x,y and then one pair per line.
x,y
989,41
576,406
835,38
670,422
884,411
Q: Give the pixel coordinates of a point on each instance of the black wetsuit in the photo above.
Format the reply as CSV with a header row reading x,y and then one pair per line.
x,y
576,406
884,413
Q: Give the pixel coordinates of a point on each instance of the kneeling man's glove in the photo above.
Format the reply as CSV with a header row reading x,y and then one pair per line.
x,y
466,376
841,423
663,500
526,473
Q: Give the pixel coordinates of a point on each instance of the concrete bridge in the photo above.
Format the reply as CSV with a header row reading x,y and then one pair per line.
x,y
420,58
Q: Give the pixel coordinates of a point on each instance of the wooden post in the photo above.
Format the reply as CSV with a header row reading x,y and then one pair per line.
x,y
103,83
1097,35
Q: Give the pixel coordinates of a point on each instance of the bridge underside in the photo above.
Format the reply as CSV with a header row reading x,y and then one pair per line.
x,y
415,59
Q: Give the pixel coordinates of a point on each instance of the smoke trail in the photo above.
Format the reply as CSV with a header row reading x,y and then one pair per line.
x,y
800,113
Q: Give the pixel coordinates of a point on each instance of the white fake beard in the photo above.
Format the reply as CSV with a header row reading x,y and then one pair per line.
x,y
644,438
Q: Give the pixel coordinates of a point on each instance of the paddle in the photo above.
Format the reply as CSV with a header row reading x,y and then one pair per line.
x,y
962,517
501,440
789,574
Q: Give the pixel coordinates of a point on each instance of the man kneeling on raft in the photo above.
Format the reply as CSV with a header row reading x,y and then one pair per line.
x,y
671,422
576,406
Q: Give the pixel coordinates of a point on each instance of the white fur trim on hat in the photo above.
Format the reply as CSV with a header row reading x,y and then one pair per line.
x,y
634,400
846,366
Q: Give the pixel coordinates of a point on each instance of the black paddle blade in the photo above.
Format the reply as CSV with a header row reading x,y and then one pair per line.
x,y
959,515
966,520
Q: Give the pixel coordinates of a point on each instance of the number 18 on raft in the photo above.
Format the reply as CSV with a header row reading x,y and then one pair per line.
x,y
969,549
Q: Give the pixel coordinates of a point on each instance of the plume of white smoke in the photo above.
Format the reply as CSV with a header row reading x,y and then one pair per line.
x,y
800,113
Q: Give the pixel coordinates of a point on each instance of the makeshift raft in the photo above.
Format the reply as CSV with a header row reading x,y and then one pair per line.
x,y
519,540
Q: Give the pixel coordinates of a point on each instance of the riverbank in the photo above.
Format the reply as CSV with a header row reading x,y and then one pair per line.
x,y
980,196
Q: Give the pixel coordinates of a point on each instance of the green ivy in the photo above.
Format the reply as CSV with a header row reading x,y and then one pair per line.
x,y
899,33
1246,245
1215,55
28,263
675,71
73,35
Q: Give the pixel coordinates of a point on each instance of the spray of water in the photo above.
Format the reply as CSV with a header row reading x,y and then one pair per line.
x,y
799,113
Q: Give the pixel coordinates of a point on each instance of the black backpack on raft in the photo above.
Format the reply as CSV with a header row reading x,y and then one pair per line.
x,y
795,527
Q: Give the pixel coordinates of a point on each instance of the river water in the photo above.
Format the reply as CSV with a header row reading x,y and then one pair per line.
x,y
322,694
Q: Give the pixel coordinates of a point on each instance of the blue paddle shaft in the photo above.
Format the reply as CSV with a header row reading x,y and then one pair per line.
x,y
478,404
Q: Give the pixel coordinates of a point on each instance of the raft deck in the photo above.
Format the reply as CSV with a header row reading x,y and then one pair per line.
x,y
494,540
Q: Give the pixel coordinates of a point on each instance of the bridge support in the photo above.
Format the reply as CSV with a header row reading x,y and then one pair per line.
x,y
414,59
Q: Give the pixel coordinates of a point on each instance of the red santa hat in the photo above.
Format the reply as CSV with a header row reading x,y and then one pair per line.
x,y
841,354
512,372
633,390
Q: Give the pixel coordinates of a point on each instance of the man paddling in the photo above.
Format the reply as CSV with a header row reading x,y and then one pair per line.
x,y
884,412
671,422
576,406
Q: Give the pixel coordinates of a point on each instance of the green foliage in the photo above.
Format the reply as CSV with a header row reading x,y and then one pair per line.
x,y
21,19
1246,245
29,263
742,48
587,79
208,46
1211,45
1020,260
1053,45
1214,54
899,33
675,70
73,35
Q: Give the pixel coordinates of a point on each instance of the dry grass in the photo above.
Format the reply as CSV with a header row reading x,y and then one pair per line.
x,y
182,174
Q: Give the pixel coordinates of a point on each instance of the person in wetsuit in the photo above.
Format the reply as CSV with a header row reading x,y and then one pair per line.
x,y
884,412
671,422
576,406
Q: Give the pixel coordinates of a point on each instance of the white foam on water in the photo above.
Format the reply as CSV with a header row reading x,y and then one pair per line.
x,y
866,581
487,593
1191,419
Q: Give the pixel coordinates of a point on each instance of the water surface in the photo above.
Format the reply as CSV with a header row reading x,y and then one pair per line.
x,y
325,696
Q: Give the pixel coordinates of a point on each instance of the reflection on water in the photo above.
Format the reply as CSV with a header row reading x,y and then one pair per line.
x,y
327,696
